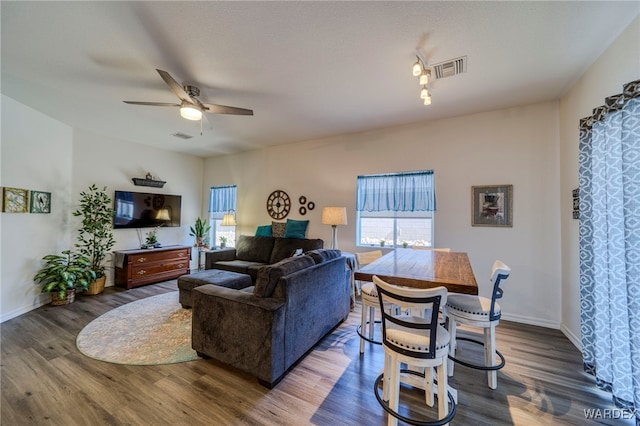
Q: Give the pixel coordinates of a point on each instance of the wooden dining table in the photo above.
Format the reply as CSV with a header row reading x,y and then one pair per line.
x,y
423,269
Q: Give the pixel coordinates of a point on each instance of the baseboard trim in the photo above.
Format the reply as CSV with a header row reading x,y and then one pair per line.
x,y
41,300
531,321
577,342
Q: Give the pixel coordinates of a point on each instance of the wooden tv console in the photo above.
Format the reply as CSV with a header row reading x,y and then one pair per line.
x,y
146,266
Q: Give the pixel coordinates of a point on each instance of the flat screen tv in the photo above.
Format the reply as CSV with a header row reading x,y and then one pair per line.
x,y
144,210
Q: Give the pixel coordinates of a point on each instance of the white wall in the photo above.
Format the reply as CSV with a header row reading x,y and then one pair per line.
x,y
618,65
40,153
36,155
516,146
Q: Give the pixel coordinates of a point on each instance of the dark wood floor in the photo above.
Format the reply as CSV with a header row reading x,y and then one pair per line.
x,y
46,381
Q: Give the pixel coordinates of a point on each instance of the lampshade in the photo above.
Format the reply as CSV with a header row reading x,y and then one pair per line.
x,y
427,100
424,93
228,220
424,78
334,216
417,69
190,112
163,214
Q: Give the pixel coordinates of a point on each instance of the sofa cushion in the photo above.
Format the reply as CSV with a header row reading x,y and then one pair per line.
x,y
264,231
296,228
268,276
286,247
254,249
277,229
322,255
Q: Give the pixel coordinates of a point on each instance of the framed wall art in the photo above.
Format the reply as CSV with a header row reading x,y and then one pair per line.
x,y
40,202
15,200
492,205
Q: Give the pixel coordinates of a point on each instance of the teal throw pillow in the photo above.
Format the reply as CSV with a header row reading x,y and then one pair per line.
x,y
263,231
296,228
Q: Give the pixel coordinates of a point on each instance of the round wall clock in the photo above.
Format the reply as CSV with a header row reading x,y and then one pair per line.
x,y
278,204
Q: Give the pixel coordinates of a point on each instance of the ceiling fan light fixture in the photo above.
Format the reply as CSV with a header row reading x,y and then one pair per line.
x,y
190,112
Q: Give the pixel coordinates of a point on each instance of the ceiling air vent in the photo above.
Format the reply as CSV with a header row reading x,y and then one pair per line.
x,y
181,135
450,68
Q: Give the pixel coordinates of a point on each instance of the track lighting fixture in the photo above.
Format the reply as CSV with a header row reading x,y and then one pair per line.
x,y
423,73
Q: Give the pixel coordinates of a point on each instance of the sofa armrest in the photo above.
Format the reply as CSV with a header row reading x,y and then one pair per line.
x,y
240,329
214,256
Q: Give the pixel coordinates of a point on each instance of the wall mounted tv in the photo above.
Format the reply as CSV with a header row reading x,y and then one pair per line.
x,y
143,210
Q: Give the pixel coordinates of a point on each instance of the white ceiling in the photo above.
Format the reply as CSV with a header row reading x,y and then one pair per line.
x,y
307,69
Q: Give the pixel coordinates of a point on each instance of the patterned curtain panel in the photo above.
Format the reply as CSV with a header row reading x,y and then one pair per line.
x,y
398,192
609,168
222,199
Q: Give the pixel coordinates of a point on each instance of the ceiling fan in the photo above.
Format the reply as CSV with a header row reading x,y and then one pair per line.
x,y
191,107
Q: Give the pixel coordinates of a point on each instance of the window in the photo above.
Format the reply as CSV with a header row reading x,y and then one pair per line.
x,y
396,208
222,200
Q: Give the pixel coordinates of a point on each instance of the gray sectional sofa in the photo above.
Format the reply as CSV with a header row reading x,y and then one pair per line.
x,y
265,329
252,253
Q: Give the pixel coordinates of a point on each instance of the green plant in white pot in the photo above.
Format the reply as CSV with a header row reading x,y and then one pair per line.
x,y
63,274
200,230
95,236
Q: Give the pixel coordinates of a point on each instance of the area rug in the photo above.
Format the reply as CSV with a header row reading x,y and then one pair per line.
x,y
151,331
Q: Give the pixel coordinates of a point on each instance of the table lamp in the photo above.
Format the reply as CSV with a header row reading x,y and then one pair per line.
x,y
334,216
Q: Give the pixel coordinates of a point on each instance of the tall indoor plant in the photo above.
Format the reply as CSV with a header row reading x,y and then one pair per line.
x,y
95,236
62,274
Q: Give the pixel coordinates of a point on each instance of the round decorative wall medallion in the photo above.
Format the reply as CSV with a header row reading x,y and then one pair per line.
x,y
302,210
311,205
302,199
278,204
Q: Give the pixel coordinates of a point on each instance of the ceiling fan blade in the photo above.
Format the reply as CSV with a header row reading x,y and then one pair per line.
x,y
152,103
223,109
175,87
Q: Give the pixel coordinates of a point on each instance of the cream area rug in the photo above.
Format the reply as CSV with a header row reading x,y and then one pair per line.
x,y
155,330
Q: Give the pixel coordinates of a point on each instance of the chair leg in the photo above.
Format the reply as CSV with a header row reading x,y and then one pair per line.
x,y
363,322
452,344
490,355
394,398
428,386
372,320
443,399
386,382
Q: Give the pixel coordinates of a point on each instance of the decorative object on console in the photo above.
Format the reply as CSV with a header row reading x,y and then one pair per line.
x,y
278,204
15,200
492,205
95,236
148,180
151,239
334,216
200,230
40,202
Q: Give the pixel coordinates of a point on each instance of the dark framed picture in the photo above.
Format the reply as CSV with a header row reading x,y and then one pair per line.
x,y
492,205
40,202
15,200
576,203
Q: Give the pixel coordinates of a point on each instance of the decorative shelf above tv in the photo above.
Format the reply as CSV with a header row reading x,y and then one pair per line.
x,y
148,182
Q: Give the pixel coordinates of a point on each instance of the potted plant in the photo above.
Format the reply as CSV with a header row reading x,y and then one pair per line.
x,y
62,274
223,241
405,244
95,236
382,242
151,239
200,230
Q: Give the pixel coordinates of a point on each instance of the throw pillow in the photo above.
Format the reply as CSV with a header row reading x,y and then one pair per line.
x,y
264,231
268,276
277,229
296,228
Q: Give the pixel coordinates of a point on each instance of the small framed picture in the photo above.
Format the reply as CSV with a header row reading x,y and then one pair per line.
x,y
15,200
40,202
492,205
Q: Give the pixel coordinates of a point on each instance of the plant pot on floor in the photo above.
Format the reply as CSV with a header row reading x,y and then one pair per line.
x,y
96,286
57,301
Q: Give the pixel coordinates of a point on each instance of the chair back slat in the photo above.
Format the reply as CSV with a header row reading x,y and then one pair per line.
x,y
368,257
499,272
